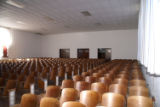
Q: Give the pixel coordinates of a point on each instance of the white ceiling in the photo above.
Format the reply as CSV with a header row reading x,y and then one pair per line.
x,y
60,16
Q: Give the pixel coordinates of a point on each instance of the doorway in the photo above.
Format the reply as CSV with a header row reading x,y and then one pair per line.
x,y
64,53
83,53
104,53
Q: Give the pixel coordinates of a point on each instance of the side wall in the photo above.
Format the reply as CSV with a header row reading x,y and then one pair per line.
x,y
122,42
24,44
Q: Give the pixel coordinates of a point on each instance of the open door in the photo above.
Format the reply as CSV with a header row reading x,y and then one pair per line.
x,y
104,53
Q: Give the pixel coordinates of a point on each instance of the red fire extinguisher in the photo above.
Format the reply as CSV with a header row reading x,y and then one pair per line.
x,y
4,51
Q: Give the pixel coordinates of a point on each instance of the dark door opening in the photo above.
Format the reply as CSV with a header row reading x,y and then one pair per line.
x,y
64,53
83,53
104,53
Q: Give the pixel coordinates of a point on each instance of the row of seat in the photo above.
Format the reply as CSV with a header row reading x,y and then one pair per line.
x,y
118,83
21,73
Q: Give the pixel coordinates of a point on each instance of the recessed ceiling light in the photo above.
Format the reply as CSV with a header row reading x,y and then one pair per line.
x,y
86,13
20,22
15,3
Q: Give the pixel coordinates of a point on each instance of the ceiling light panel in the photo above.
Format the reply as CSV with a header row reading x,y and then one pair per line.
x,y
15,3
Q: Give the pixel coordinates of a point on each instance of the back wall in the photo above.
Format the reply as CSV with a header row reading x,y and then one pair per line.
x,y
122,42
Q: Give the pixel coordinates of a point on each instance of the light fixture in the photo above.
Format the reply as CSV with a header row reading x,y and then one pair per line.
x,y
28,59
15,3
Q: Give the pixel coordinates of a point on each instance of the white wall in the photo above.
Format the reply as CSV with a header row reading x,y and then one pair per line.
x,y
25,44
122,42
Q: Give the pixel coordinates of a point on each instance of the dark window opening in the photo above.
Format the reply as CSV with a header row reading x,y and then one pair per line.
x,y
64,53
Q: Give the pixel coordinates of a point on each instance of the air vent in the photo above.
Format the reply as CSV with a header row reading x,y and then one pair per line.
x,y
49,18
38,33
86,13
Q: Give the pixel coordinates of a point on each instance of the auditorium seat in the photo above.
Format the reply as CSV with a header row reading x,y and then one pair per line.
x,y
68,94
21,77
90,79
137,74
84,74
73,104
138,91
122,76
61,75
49,102
13,76
30,80
67,84
139,101
100,88
28,100
77,78
120,81
118,88
40,84
53,91
52,77
2,82
97,75
113,100
126,72
82,85
5,75
91,71
137,82
109,76
89,98
11,84
105,80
